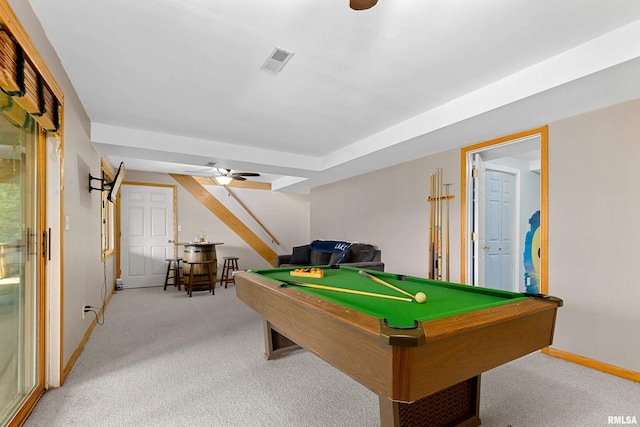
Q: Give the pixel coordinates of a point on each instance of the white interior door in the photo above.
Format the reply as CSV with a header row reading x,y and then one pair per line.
x,y
499,230
147,228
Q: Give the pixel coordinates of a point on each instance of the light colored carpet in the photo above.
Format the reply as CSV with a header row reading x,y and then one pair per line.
x,y
163,359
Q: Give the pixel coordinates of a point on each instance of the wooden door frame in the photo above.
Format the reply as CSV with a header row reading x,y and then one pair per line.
x,y
544,198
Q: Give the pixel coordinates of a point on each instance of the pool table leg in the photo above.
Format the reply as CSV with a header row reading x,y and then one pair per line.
x,y
276,345
455,406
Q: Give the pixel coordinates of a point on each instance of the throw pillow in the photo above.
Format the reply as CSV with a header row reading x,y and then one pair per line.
x,y
301,255
361,252
320,258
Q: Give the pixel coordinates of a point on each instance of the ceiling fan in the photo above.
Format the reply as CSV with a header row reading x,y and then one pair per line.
x,y
224,176
239,176
362,4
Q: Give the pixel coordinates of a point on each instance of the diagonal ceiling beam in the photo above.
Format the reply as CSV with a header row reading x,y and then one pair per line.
x,y
226,216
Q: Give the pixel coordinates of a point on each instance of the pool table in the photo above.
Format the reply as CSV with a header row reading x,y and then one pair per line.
x,y
423,360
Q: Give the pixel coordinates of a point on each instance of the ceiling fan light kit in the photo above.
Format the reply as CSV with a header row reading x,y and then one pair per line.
x,y
223,180
225,176
362,4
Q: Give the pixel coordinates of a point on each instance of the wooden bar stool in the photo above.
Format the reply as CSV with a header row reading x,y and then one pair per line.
x,y
173,272
200,280
230,265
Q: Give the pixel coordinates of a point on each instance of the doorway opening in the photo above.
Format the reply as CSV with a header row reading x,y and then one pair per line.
x,y
504,212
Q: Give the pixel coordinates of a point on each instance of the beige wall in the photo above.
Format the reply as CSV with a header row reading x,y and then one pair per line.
x,y
389,208
594,238
286,216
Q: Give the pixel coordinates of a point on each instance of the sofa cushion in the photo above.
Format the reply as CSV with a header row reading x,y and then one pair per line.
x,y
301,255
361,252
320,258
341,257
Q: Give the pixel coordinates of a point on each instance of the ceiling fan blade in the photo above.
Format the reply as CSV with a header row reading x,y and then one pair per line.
x,y
362,4
234,174
237,177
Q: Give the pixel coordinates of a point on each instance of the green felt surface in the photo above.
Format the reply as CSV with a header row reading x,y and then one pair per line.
x,y
443,299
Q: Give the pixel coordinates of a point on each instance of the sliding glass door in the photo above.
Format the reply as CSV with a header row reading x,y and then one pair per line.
x,y
20,262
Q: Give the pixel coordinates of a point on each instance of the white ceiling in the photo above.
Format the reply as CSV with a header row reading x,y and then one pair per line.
x,y
171,85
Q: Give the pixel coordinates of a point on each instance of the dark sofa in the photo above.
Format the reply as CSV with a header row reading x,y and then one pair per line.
x,y
327,252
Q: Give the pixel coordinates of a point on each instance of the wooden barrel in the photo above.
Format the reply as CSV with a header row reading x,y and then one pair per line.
x,y
199,252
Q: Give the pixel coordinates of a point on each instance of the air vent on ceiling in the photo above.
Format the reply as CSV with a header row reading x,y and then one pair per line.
x,y
277,60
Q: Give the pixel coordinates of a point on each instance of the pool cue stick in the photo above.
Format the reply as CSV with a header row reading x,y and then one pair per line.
x,y
389,285
436,263
438,275
431,225
440,243
346,291
441,252
435,230
447,228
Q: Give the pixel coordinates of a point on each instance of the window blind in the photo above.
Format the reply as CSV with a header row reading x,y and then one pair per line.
x,y
21,80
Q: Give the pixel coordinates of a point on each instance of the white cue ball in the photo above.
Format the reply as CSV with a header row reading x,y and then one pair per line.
x,y
420,297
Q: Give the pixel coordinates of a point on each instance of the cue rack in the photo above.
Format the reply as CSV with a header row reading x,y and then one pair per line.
x,y
439,208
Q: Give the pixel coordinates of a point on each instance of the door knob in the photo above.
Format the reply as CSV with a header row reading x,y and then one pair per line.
x,y
487,247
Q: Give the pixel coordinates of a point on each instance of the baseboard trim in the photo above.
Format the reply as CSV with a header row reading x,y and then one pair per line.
x,y
76,354
593,364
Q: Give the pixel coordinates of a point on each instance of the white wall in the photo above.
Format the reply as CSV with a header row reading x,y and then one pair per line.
x,y
286,216
389,208
594,238
83,269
